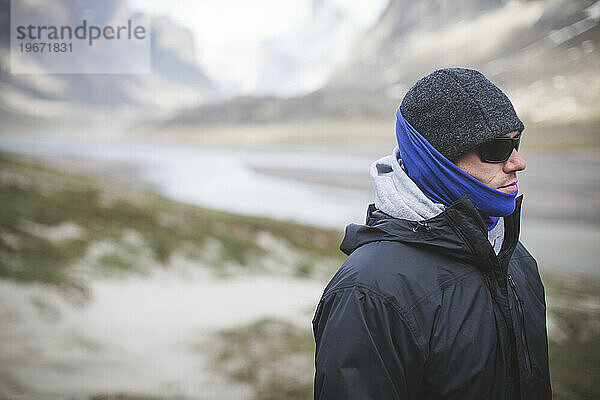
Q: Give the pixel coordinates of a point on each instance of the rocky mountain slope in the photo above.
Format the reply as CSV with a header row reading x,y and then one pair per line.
x,y
544,54
175,78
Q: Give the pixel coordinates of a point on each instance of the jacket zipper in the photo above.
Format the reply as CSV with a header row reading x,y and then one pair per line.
x,y
522,317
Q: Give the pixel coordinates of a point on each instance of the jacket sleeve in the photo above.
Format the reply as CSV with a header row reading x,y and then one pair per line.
x,y
364,349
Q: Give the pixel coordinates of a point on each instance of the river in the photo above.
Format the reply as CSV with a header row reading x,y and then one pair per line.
x,y
330,187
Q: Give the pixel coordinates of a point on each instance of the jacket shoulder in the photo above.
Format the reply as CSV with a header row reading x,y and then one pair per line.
x,y
521,252
403,274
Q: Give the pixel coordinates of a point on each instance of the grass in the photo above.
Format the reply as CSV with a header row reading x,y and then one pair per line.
x,y
274,357
574,308
38,202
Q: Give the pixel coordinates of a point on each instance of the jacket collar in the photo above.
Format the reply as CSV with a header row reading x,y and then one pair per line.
x,y
459,232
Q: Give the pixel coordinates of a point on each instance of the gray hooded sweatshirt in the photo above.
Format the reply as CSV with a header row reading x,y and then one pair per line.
x,y
398,196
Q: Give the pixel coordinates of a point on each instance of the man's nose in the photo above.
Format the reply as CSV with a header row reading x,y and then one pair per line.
x,y
514,163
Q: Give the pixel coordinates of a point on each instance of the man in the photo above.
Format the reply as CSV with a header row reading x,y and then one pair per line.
x,y
438,299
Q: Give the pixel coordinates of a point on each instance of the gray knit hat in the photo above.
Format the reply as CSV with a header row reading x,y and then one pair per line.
x,y
457,109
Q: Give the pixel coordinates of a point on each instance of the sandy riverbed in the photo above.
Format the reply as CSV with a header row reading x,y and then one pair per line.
x,y
136,335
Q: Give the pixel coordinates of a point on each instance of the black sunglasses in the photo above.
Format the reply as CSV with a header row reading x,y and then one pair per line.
x,y
499,149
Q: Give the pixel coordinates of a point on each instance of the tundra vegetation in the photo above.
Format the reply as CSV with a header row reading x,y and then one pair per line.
x,y
63,231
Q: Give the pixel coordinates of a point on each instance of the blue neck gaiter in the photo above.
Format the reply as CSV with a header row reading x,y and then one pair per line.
x,y
442,181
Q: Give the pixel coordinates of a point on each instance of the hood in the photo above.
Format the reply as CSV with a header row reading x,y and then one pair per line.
x,y
396,194
399,196
458,232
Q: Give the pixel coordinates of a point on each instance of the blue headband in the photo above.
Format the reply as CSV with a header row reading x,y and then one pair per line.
x,y
442,181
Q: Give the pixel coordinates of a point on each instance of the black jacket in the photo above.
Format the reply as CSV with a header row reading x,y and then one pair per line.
x,y
428,311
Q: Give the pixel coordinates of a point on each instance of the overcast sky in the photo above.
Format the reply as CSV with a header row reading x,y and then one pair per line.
x,y
227,33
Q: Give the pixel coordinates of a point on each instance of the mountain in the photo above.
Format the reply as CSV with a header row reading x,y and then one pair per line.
x,y
301,60
175,79
544,54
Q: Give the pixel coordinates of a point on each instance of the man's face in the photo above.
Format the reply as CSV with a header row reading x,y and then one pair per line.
x,y
499,176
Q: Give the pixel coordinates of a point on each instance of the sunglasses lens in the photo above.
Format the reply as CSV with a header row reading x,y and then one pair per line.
x,y
499,149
